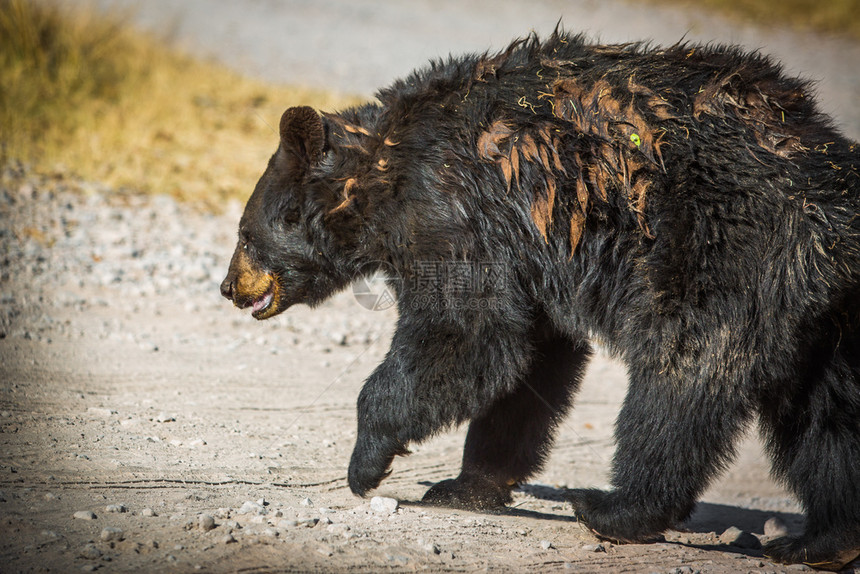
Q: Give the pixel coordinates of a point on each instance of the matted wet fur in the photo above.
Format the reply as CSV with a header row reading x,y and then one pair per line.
x,y
689,206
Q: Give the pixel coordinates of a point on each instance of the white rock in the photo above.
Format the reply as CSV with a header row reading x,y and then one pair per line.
x,y
84,515
111,533
383,505
338,529
249,507
205,522
90,552
102,412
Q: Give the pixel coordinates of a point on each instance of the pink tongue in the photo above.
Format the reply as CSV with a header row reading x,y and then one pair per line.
x,y
262,302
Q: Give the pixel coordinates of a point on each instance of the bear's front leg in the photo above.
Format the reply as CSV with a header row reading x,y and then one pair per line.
x,y
371,460
435,375
387,421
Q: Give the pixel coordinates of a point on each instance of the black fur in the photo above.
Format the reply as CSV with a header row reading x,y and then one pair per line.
x,y
689,206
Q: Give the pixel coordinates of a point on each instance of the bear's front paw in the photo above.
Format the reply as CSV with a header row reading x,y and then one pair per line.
x,y
822,552
613,519
469,492
370,464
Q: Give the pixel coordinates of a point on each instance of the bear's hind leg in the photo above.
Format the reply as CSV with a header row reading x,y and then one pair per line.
x,y
814,438
511,440
673,436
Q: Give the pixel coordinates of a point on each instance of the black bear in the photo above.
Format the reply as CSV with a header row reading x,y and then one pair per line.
x,y
688,206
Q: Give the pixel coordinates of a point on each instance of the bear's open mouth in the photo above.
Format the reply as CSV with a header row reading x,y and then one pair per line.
x,y
262,305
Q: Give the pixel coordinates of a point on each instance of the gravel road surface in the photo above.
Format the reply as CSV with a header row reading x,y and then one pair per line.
x,y
147,426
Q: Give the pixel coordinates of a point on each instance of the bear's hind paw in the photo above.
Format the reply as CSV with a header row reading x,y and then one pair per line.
x,y
611,519
818,553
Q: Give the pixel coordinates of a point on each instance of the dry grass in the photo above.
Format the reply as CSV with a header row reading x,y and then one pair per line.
x,y
81,91
833,17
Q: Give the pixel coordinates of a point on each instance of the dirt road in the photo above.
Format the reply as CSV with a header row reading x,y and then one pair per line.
x,y
131,392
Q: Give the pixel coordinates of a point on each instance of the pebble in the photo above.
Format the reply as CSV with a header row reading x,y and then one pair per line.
x,y
431,548
111,534
205,522
594,548
307,502
227,539
775,527
545,544
90,552
383,505
734,536
116,508
102,412
339,529
250,507
148,512
84,515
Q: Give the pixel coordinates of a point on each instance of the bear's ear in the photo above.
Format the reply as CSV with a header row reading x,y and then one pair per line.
x,y
302,139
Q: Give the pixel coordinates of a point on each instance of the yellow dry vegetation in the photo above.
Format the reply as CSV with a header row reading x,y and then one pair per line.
x,y
83,92
832,17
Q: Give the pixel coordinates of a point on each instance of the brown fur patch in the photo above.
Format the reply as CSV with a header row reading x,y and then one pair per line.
x,y
620,135
487,67
542,215
490,140
762,107
505,164
528,147
623,151
252,282
348,188
356,129
577,226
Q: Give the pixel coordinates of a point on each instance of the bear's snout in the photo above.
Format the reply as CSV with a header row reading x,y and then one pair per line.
x,y
228,287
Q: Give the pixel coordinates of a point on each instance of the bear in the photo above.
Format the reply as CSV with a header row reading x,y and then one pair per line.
x,y
688,207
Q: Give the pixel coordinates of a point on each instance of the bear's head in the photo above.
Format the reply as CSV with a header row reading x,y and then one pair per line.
x,y
278,260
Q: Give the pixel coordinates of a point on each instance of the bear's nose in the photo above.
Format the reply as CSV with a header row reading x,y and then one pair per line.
x,y
227,288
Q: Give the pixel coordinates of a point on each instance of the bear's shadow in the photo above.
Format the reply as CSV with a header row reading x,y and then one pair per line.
x,y
706,518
